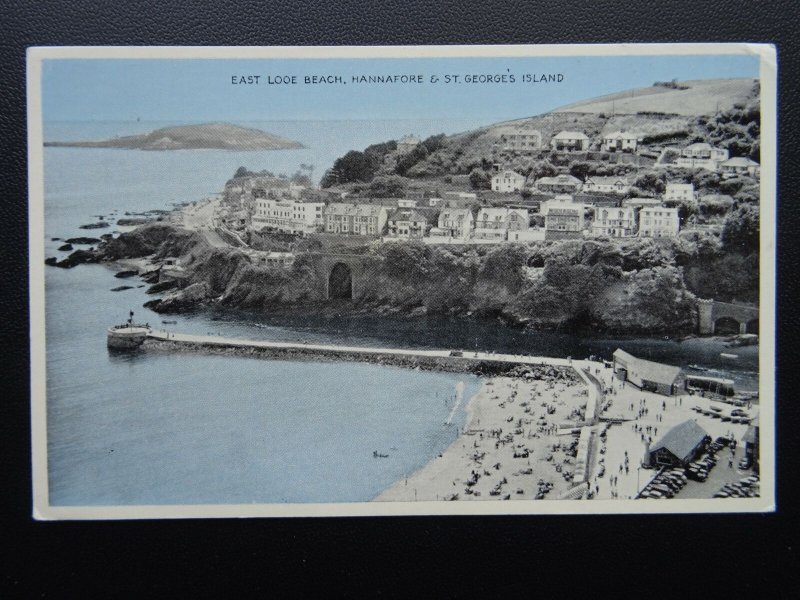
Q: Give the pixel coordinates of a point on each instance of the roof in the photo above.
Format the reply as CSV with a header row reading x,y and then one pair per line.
x,y
649,370
681,440
616,135
680,185
455,213
607,180
559,179
571,135
699,146
739,161
650,209
509,172
566,211
410,214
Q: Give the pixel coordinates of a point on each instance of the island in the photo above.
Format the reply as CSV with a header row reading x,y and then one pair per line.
x,y
208,136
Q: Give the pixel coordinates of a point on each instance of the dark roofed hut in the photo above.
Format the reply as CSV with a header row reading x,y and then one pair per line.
x,y
646,374
679,446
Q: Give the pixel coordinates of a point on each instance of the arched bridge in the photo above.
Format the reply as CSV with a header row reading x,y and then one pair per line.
x,y
726,318
342,276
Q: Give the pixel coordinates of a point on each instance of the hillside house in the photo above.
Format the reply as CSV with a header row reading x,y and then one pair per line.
x,y
681,445
508,182
658,222
495,223
407,223
607,185
560,184
560,201
641,202
522,140
619,141
564,222
702,156
615,222
679,192
407,144
646,374
355,219
570,141
455,223
740,166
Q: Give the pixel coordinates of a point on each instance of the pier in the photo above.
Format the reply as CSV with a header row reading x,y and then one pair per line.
x,y
447,360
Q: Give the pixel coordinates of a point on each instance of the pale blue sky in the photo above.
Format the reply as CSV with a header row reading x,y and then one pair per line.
x,y
201,90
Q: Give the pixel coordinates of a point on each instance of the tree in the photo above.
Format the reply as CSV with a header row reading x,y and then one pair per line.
x,y
580,169
387,186
740,231
480,180
241,172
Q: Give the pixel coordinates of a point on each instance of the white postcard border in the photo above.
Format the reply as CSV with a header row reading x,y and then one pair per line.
x,y
768,208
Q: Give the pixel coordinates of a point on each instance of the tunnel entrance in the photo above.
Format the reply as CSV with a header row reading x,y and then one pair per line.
x,y
340,283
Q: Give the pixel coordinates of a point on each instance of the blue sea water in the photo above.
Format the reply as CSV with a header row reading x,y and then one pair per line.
x,y
151,428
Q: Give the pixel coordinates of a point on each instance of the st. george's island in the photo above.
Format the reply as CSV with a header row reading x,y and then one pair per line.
x,y
630,214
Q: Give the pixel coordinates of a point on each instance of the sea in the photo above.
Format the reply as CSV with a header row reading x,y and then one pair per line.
x,y
162,429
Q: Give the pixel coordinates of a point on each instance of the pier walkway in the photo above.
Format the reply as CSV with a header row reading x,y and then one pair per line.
x,y
212,341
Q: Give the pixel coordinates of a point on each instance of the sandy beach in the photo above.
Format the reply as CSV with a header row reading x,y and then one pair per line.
x,y
510,447
513,448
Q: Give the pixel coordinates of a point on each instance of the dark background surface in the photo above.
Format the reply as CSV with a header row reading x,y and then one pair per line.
x,y
455,556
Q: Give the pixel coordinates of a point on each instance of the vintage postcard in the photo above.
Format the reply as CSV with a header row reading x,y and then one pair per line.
x,y
402,280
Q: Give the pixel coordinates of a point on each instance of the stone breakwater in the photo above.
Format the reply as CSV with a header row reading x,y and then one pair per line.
x,y
425,360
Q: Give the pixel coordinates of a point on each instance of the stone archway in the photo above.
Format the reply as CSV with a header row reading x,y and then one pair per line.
x,y
752,326
726,326
340,282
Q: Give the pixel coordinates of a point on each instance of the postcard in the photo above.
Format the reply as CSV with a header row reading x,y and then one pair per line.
x,y
360,281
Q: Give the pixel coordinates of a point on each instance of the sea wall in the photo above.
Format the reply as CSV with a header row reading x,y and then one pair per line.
x,y
450,364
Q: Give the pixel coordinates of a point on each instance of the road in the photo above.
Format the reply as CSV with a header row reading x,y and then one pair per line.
x,y
200,217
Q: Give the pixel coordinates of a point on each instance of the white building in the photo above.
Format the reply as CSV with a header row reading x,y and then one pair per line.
x,y
495,223
615,222
560,201
679,192
285,215
522,140
456,223
569,141
508,181
355,219
459,199
406,203
607,185
619,141
740,165
702,156
658,222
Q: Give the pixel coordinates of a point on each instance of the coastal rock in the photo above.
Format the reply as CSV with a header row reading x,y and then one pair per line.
x,y
55,239
162,286
126,274
151,276
133,222
182,300
51,261
79,257
122,288
107,236
98,225
83,240
65,248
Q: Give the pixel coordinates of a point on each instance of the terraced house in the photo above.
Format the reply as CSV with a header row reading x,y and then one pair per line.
x,y
495,223
615,222
407,223
355,219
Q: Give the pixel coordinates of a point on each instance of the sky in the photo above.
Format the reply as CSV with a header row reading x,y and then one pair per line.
x,y
201,90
